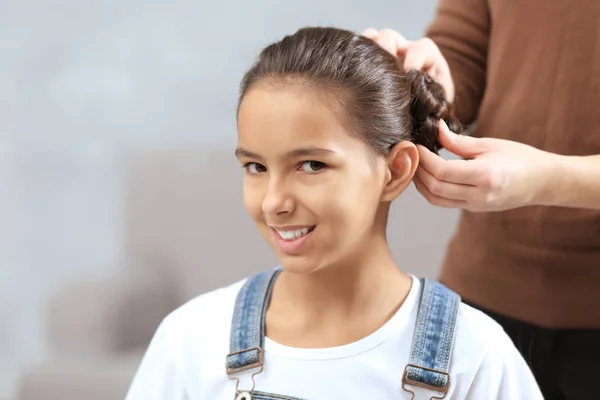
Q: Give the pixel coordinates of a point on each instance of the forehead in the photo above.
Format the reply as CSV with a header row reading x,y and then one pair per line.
x,y
286,116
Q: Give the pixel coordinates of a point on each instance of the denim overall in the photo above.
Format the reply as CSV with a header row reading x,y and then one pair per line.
x,y
430,353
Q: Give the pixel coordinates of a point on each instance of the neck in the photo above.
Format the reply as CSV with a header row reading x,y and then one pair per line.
x,y
362,293
345,285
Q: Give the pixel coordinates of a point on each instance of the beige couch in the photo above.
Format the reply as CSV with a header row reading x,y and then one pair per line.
x,y
185,232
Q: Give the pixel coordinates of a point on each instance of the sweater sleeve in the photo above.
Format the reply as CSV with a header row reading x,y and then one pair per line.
x,y
461,29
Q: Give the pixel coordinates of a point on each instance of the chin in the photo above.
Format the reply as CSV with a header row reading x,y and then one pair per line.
x,y
298,265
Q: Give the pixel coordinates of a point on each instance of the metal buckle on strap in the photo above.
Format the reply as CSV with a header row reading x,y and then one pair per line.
x,y
244,396
442,390
258,364
232,371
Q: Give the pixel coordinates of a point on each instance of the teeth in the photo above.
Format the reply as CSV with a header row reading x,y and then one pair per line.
x,y
289,235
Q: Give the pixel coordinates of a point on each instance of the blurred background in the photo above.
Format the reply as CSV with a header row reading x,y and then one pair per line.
x,y
120,197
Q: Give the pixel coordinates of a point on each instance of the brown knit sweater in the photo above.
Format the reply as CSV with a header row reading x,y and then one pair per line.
x,y
528,71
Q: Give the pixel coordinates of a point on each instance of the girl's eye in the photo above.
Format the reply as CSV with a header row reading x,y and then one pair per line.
x,y
254,168
312,166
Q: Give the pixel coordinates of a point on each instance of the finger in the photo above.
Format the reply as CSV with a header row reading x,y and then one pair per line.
x,y
370,33
447,190
393,42
461,145
399,40
421,55
437,200
454,171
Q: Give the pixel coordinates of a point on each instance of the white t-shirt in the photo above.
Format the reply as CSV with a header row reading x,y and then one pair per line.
x,y
186,359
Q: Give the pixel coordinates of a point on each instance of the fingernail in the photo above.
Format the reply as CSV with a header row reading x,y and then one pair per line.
x,y
445,129
444,125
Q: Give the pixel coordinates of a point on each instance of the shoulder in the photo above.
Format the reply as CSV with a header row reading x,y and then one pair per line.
x,y
485,354
214,308
479,331
187,344
195,336
475,332
479,337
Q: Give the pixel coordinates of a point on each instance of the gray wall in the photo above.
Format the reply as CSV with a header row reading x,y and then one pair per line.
x,y
81,84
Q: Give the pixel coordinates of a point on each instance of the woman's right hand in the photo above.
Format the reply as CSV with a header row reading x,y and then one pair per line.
x,y
422,54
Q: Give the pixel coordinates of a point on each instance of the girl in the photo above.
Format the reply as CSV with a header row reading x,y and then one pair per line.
x,y
328,126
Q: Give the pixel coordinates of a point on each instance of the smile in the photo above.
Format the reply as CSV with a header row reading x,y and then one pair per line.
x,y
291,239
294,234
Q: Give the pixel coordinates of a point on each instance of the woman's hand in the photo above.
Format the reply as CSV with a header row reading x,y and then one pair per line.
x,y
496,175
422,54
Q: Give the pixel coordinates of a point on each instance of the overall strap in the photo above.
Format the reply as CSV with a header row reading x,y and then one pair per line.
x,y
434,338
248,324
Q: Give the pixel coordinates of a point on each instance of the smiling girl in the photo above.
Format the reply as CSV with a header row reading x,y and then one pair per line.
x,y
328,126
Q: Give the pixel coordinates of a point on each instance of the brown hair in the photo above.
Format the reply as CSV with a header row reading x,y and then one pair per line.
x,y
381,103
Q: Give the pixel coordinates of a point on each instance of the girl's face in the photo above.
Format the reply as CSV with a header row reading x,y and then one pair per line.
x,y
313,190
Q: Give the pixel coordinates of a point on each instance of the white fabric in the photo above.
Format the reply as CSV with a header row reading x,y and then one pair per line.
x,y
186,359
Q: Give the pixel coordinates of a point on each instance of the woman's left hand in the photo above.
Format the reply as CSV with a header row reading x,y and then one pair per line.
x,y
422,55
496,175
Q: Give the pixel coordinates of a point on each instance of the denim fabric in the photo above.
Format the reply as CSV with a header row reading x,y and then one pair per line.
x,y
434,335
431,348
268,396
248,325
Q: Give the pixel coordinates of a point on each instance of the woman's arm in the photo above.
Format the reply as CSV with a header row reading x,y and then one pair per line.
x,y
575,182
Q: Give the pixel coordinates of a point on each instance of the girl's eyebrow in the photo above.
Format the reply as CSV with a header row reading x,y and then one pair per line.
x,y
310,151
241,152
300,152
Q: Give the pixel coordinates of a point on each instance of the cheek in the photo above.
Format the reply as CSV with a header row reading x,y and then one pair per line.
x,y
349,202
252,200
361,206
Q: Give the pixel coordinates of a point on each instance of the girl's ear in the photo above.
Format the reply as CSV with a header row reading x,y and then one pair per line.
x,y
402,163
